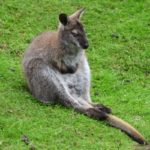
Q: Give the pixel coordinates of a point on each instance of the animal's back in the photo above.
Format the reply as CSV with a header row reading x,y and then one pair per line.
x,y
40,45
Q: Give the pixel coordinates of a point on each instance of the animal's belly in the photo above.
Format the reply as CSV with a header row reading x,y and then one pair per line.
x,y
75,84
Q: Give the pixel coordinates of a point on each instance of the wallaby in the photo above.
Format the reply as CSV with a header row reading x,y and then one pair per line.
x,y
57,71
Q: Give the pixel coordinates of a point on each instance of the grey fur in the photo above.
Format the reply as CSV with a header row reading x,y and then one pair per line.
x,y
57,71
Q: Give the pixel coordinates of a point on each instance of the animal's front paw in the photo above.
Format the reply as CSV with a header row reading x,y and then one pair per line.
x,y
103,108
68,70
71,69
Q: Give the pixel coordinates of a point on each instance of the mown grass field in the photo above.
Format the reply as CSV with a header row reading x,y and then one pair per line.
x,y
119,57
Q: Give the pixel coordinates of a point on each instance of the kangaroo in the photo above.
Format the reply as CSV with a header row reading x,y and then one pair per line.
x,y
57,72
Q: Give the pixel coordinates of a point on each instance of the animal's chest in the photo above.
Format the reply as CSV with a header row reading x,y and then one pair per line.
x,y
78,82
72,59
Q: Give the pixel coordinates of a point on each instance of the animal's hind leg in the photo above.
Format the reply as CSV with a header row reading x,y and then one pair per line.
x,y
48,84
66,99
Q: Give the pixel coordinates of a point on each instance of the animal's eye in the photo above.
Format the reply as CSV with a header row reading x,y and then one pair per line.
x,y
75,32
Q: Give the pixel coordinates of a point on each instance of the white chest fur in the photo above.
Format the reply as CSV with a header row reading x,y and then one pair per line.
x,y
72,59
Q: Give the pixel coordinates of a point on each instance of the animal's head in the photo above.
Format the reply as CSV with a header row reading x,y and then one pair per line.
x,y
72,30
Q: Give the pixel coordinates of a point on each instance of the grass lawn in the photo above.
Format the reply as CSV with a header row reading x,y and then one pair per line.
x,y
119,57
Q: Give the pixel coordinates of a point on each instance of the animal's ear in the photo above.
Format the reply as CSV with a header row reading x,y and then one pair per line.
x,y
63,18
78,13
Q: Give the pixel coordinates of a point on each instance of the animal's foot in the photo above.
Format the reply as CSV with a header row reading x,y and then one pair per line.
x,y
96,114
103,108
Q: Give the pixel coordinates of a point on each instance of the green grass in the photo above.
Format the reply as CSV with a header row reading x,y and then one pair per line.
x,y
119,57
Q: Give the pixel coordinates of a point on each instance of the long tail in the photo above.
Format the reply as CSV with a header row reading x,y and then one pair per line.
x,y
127,128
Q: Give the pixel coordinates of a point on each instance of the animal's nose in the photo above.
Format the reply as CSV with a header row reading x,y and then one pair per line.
x,y
86,45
